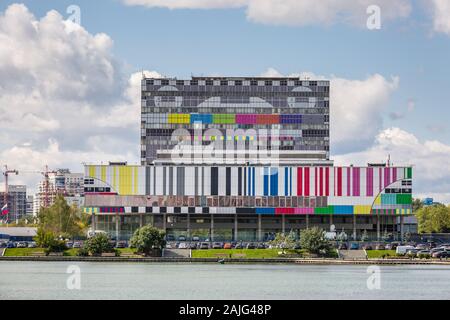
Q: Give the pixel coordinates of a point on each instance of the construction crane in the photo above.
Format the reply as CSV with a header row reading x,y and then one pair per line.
x,y
46,185
6,173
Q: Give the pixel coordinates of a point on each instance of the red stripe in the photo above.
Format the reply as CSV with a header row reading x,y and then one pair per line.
x,y
316,176
299,181
339,186
327,182
306,191
321,182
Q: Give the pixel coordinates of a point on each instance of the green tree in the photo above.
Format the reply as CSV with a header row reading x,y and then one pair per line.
x,y
148,238
434,219
47,240
63,220
284,241
417,205
314,241
98,244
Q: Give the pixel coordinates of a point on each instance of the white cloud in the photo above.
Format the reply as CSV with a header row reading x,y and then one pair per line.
x,y
430,158
189,4
356,110
64,99
441,15
294,12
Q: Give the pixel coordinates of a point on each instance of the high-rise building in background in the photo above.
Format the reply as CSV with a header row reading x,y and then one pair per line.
x,y
242,159
17,201
61,182
30,205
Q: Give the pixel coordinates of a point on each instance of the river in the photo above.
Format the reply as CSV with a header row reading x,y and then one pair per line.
x,y
50,280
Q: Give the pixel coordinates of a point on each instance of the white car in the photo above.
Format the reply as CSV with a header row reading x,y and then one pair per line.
x,y
183,245
402,250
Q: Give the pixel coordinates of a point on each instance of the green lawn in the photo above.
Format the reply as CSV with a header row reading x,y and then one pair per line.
x,y
377,254
244,253
23,252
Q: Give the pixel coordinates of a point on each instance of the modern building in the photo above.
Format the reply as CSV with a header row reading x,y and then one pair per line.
x,y
63,182
242,159
17,234
17,201
289,113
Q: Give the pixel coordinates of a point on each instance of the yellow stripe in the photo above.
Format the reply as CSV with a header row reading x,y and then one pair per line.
x,y
92,171
103,170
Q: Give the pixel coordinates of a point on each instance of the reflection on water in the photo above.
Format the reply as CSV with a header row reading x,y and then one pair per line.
x,y
48,280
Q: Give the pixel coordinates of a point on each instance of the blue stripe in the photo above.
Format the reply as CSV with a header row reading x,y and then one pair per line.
x,y
286,181
254,180
274,182
290,180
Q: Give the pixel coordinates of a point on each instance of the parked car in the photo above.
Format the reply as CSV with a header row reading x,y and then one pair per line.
x,y
181,238
262,245
203,246
227,246
423,252
380,247
412,252
422,246
217,245
354,246
251,245
239,246
441,254
196,239
192,245
10,245
3,244
77,244
367,247
121,244
168,246
183,245
343,246
32,244
22,244
170,237
402,250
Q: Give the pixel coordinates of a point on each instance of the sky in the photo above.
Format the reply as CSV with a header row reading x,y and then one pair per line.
x,y
69,82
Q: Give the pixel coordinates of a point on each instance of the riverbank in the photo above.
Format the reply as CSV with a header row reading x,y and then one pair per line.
x,y
231,261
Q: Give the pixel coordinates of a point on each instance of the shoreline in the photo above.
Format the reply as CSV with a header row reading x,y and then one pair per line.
x,y
293,261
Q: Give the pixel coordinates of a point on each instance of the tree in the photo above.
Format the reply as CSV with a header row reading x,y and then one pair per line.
x,y
148,238
417,205
47,240
62,219
98,244
434,219
314,241
284,241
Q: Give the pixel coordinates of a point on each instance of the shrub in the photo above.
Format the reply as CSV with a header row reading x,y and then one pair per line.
x,y
313,240
98,244
83,252
148,239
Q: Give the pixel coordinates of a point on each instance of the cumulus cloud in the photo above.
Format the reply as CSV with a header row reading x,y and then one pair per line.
x,y
294,12
430,158
441,15
64,98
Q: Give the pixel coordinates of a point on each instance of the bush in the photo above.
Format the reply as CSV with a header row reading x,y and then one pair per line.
x,y
98,244
313,240
424,256
148,240
83,252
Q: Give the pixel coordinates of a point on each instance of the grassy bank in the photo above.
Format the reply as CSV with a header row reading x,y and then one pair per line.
x,y
26,252
378,254
246,253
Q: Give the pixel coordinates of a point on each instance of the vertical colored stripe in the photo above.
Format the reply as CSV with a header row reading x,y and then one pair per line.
x,y
299,181
315,181
253,181
274,182
339,181
348,182
286,181
321,182
290,181
327,182
369,182
307,182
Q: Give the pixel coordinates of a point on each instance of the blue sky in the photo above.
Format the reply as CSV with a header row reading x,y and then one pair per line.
x,y
181,42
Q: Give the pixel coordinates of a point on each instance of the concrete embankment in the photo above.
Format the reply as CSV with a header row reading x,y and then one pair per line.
x,y
233,261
